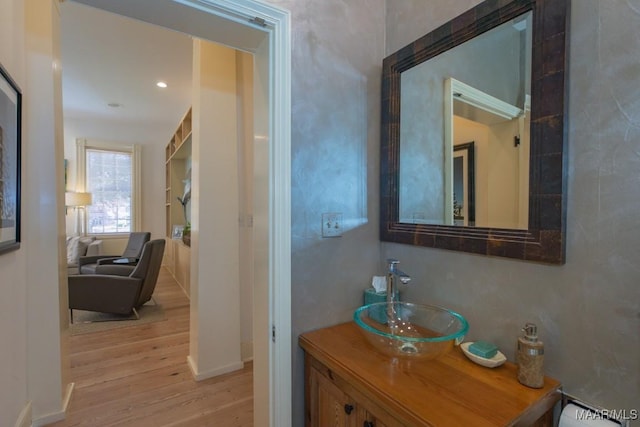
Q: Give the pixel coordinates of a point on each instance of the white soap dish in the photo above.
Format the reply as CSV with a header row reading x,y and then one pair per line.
x,y
493,362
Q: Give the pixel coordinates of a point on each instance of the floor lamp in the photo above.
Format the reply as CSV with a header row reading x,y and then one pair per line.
x,y
78,201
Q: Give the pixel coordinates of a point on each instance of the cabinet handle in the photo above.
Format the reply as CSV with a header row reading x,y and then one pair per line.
x,y
368,424
348,409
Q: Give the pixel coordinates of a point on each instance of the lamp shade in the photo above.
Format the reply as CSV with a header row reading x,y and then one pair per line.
x,y
77,199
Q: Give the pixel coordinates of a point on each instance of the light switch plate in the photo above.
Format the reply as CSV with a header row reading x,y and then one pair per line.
x,y
331,224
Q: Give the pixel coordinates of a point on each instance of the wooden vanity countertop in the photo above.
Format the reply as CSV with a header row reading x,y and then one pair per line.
x,y
447,391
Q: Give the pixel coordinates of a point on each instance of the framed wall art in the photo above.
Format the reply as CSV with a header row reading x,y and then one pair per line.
x,y
10,146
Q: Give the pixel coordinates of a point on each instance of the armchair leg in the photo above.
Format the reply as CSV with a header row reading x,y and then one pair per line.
x,y
135,312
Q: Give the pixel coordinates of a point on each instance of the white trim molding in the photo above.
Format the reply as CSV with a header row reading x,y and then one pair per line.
x,y
280,223
57,416
477,98
200,376
277,22
24,419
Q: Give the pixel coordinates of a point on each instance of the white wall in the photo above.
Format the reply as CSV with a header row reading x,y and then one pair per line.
x,y
504,175
467,131
47,304
244,78
13,273
32,358
497,171
215,284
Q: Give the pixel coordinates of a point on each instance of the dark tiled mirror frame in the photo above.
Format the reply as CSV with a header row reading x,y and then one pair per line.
x,y
544,241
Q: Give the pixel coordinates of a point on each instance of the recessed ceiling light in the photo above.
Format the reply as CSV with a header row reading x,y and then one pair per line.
x,y
161,84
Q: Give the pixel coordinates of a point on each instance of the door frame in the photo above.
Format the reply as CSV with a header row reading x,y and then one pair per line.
x,y
276,23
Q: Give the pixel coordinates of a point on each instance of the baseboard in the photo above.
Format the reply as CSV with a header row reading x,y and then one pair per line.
x,y
246,351
24,419
49,419
56,416
67,396
199,376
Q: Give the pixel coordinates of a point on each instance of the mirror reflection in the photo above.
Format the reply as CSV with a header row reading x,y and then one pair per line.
x,y
464,177
465,132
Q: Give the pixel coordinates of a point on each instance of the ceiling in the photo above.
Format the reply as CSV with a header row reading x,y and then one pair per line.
x,y
110,59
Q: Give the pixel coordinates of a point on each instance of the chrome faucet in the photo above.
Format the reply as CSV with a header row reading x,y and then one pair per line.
x,y
392,273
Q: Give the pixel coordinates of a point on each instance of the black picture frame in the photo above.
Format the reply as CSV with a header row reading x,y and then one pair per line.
x,y
10,162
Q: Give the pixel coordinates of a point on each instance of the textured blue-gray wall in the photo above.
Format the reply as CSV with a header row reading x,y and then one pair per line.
x,y
587,311
338,47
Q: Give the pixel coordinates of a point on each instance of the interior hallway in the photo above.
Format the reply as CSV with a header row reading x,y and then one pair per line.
x,y
138,375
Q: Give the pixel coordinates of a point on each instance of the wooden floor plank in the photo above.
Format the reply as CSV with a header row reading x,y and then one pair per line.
x,y
238,415
138,376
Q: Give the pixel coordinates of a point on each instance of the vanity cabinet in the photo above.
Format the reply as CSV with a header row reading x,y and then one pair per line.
x,y
349,383
331,406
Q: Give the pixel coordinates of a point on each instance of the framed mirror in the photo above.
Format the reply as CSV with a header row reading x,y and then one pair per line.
x,y
494,75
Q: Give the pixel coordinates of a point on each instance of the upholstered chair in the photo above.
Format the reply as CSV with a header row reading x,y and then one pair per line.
x,y
118,289
88,264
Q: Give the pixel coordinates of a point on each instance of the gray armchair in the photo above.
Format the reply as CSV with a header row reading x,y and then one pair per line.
x,y
118,289
88,264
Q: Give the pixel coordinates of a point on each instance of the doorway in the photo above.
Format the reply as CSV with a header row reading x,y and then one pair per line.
x,y
264,31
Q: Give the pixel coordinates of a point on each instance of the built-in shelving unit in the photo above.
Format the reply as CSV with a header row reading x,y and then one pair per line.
x,y
178,162
178,154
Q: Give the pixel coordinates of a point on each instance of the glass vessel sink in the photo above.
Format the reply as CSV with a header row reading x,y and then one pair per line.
x,y
415,330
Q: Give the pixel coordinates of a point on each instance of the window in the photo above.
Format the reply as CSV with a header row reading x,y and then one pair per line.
x,y
110,173
108,179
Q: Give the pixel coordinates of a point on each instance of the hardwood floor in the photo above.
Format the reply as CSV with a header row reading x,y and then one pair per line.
x,y
138,376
